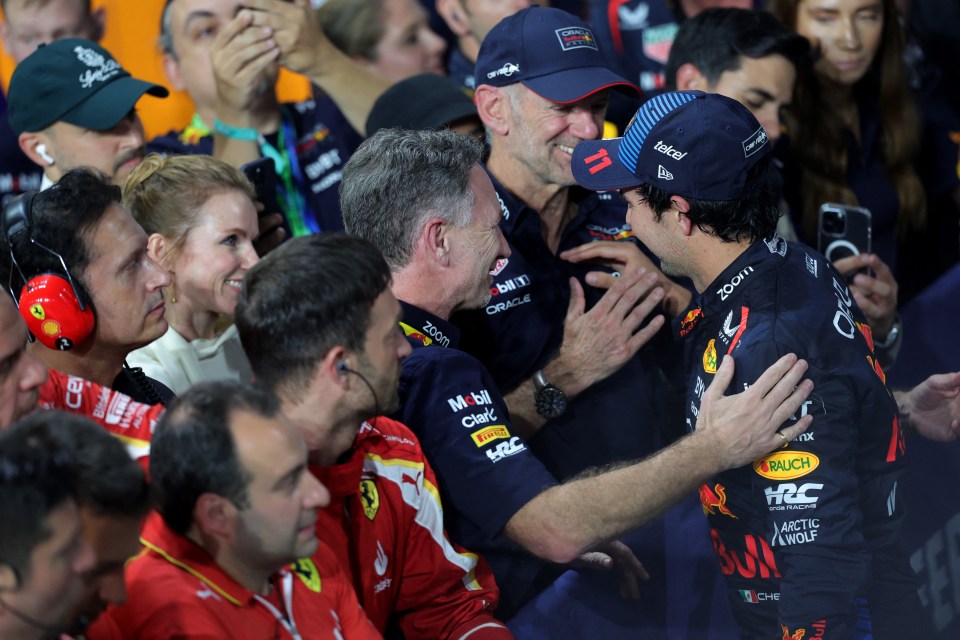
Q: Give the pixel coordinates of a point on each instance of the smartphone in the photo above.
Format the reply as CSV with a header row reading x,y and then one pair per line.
x,y
263,176
843,231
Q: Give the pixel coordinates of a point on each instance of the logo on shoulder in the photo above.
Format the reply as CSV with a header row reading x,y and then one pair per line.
x,y
369,498
776,244
500,266
576,38
754,143
308,573
472,399
710,357
786,465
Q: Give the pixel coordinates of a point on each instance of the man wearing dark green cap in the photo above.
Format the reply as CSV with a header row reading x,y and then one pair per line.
x,y
72,105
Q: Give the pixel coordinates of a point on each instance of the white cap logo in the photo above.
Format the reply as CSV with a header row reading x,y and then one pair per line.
x,y
103,69
663,174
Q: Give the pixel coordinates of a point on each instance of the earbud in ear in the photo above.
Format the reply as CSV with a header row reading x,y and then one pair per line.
x,y
41,150
342,367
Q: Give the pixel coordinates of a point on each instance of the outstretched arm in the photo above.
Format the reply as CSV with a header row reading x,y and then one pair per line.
x,y
932,408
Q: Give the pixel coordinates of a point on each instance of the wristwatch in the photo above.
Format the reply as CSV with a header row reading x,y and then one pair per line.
x,y
550,401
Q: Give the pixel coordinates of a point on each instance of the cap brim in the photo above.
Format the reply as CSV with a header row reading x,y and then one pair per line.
x,y
111,104
596,166
571,85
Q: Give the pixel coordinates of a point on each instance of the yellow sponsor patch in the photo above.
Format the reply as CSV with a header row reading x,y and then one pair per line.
x,y
489,434
786,465
710,358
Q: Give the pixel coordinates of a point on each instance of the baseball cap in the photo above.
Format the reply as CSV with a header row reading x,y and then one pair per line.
x,y
694,144
424,102
553,53
75,81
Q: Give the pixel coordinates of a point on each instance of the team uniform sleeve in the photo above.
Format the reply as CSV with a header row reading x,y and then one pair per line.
x,y
811,492
353,620
448,592
485,470
130,421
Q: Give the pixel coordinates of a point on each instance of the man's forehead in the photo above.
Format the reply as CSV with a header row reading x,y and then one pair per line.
x,y
185,12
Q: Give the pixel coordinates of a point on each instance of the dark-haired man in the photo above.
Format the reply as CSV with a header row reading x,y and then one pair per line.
x,y
319,323
104,251
73,105
113,497
42,554
804,534
238,506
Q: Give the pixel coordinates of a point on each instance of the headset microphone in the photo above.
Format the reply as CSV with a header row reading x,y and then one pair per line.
x,y
342,369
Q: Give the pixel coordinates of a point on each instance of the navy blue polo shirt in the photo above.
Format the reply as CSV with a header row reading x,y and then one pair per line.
x,y
521,329
324,143
486,472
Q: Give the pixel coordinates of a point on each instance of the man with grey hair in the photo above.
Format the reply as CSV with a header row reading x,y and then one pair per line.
x,y
424,200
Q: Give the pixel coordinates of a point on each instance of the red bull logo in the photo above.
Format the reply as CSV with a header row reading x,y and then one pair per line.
x,y
690,321
877,369
410,332
714,501
867,333
796,635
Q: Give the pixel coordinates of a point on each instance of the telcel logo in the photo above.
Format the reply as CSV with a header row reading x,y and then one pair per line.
x,y
786,465
668,150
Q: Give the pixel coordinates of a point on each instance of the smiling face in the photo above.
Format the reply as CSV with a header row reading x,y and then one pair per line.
x,y
277,526
408,46
848,33
543,134
476,248
124,283
216,253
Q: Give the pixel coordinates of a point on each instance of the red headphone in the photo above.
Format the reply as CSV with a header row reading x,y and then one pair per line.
x,y
49,303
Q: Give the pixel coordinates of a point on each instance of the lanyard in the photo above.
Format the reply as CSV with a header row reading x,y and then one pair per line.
x,y
286,585
299,216
290,198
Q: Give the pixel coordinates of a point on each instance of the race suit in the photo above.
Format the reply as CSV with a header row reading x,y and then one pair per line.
x,y
808,536
385,515
176,590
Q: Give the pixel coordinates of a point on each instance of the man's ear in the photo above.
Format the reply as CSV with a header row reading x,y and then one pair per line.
x,y
99,18
32,143
689,78
493,107
680,206
171,67
213,514
435,241
158,247
9,578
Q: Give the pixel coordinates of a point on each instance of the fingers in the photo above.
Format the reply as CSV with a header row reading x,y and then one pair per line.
x,y
601,279
946,383
721,380
775,373
791,432
851,263
577,301
600,249
880,268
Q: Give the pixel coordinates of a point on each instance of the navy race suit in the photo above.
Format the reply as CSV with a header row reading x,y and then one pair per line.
x,y
805,533
521,329
485,471
321,140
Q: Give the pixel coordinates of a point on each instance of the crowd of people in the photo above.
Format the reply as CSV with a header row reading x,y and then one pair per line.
x,y
387,362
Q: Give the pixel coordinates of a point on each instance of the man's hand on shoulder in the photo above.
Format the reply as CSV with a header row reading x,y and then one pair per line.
x,y
743,427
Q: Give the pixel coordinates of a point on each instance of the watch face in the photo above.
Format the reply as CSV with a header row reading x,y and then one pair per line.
x,y
550,401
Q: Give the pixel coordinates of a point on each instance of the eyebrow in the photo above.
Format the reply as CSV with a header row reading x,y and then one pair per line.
x,y
766,95
290,476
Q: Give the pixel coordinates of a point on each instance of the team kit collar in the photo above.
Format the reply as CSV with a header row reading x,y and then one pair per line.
x,y
733,282
190,557
423,329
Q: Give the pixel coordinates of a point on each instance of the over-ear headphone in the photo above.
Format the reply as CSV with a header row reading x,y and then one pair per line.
x,y
41,150
49,303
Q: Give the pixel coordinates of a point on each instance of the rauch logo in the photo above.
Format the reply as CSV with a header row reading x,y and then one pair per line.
x,y
786,465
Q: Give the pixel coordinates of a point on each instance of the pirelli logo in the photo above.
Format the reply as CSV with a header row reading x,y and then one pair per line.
x,y
489,434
